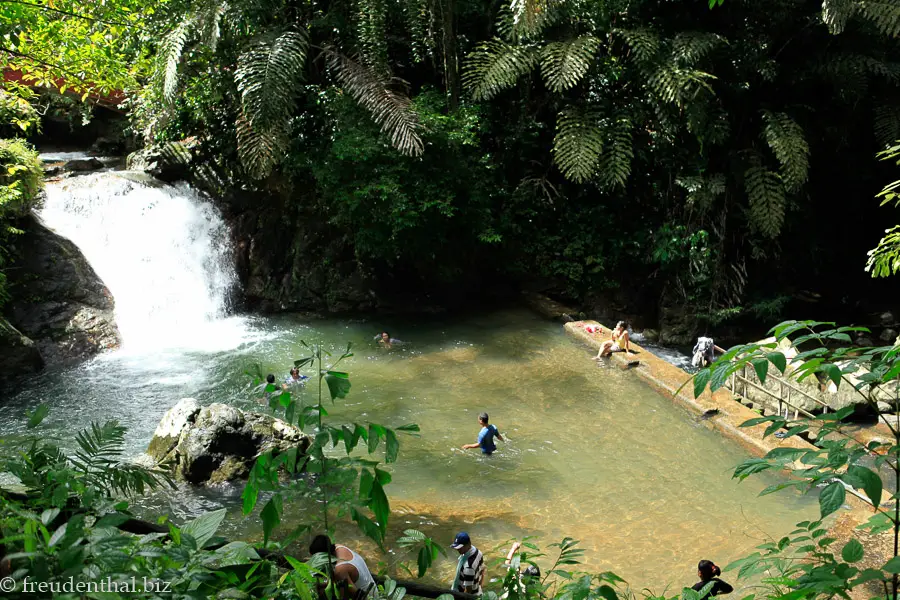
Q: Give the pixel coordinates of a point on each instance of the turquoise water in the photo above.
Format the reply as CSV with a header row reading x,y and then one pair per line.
x,y
592,453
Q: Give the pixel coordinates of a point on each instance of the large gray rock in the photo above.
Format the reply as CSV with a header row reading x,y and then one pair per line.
x,y
170,161
19,356
83,164
218,442
57,299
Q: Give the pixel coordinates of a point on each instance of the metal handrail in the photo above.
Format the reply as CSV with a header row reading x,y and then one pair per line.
x,y
780,400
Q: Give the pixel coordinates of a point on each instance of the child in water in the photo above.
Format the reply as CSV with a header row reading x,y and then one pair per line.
x,y
486,436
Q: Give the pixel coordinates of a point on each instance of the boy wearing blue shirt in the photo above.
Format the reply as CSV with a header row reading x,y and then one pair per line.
x,y
485,436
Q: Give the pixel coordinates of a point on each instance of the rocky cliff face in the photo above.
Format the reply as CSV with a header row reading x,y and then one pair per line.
x,y
58,304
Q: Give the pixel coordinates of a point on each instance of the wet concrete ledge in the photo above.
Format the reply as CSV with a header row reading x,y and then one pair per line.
x,y
667,379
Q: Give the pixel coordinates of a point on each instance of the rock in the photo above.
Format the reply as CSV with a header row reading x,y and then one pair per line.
x,y
651,335
219,443
107,146
167,162
888,335
677,327
83,164
885,407
862,340
168,432
19,355
53,170
887,319
57,299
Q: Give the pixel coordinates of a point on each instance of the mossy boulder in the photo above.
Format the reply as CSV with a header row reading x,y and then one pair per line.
x,y
218,443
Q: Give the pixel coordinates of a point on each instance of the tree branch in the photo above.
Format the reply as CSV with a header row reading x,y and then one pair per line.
x,y
67,13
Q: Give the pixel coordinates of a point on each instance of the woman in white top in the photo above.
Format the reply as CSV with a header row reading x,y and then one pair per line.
x,y
351,574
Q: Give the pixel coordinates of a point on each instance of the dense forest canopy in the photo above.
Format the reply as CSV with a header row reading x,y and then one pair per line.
x,y
665,154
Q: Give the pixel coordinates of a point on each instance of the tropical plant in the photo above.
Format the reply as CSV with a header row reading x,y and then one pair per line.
x,y
801,565
884,259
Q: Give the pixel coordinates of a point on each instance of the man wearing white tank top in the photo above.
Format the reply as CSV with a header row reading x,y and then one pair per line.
x,y
351,574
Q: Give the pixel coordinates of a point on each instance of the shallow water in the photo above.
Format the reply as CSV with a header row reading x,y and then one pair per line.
x,y
592,452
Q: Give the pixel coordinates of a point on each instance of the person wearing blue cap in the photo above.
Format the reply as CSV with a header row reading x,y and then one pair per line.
x,y
470,569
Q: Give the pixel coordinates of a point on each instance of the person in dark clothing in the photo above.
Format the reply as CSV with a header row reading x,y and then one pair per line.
x,y
708,572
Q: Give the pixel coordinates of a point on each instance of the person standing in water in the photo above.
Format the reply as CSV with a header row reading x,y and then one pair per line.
x,y
486,436
351,574
295,378
708,572
470,568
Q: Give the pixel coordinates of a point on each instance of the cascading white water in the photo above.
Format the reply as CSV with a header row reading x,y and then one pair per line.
x,y
163,252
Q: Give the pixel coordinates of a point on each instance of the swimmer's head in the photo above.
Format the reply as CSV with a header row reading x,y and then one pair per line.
x,y
385,335
483,418
270,378
295,372
532,571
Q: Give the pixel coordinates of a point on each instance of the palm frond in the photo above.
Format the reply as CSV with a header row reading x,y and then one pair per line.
x,y
785,138
170,57
615,160
563,64
767,202
643,44
836,13
702,191
392,111
260,149
495,66
578,143
268,75
884,259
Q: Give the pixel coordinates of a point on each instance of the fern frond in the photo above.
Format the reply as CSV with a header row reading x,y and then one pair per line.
x,y
371,29
618,150
392,111
563,64
702,191
170,55
767,202
208,19
885,14
268,76
530,17
688,48
578,143
785,138
844,65
643,44
495,66
887,123
836,13
260,149
679,85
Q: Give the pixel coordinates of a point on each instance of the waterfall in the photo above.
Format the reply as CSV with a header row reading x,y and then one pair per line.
x,y
163,251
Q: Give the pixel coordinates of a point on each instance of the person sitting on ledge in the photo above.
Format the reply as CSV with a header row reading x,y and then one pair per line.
x,y
618,343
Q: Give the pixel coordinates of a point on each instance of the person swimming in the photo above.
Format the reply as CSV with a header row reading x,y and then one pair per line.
x,y
385,339
295,378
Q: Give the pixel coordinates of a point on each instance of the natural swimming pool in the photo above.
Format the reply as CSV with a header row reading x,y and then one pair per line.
x,y
592,453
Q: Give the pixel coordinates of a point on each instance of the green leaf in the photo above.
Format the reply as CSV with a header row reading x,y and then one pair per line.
x,y
367,526
204,527
751,466
338,384
871,482
271,517
777,359
700,381
35,418
852,551
832,498
833,372
392,447
408,427
893,565
761,366
380,506
366,480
